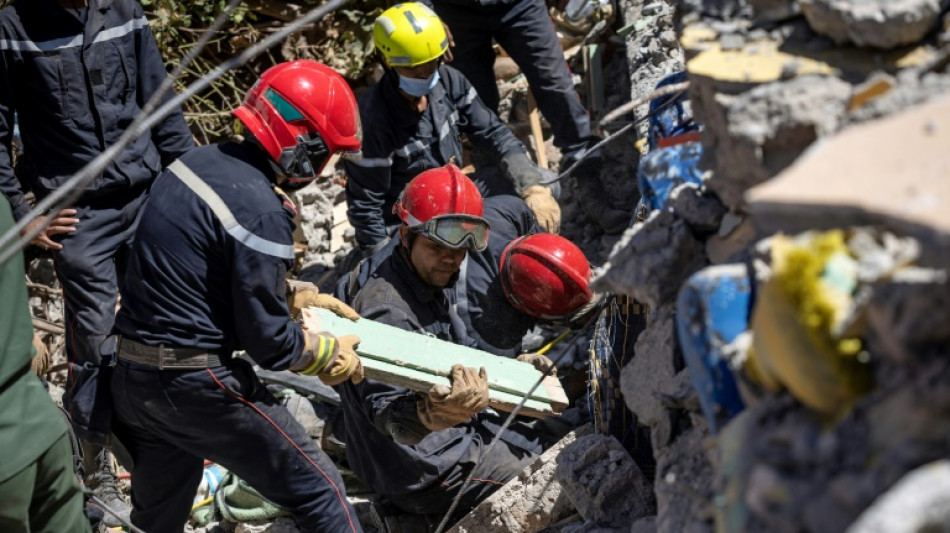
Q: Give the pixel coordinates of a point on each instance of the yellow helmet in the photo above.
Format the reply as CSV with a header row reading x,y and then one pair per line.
x,y
409,34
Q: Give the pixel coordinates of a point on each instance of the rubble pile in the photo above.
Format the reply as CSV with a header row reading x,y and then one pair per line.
x,y
808,444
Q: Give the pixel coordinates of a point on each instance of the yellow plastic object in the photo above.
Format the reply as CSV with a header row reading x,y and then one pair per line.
x,y
796,311
409,34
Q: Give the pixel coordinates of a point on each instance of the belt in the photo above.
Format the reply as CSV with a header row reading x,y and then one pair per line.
x,y
163,357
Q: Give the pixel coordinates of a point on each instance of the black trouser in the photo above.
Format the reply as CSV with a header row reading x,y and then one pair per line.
x,y
174,419
524,29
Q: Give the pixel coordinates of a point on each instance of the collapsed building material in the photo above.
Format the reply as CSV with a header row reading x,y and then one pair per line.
x,y
905,189
919,502
878,23
420,362
603,482
527,503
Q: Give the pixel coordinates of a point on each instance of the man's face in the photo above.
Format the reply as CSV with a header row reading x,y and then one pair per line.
x,y
435,264
419,72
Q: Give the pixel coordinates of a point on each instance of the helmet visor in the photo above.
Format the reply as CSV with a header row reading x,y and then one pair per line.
x,y
456,231
302,162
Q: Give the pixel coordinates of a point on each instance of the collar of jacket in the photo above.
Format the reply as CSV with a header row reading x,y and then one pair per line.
x,y
422,291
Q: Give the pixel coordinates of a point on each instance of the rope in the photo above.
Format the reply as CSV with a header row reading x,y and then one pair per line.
x,y
70,191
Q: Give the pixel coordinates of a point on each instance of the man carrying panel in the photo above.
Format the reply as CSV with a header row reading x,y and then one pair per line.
x,y
206,277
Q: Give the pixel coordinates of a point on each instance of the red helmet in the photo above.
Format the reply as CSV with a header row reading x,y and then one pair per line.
x,y
444,205
545,275
302,112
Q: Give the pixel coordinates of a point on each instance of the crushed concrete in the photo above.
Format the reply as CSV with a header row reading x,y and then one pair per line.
x,y
752,136
603,482
652,260
918,503
684,484
532,501
878,23
650,375
315,207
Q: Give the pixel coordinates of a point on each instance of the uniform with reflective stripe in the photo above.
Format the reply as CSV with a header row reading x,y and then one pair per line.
x,y
399,143
208,263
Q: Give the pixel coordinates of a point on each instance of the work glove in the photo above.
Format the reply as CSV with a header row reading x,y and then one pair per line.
x,y
347,365
522,172
594,199
443,408
541,363
545,208
42,359
330,359
302,294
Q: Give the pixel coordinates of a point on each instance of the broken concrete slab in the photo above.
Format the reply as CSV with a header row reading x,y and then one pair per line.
x,y
651,373
918,503
878,23
604,483
532,501
684,484
752,136
700,209
652,260
903,189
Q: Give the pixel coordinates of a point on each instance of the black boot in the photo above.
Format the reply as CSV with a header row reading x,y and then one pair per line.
x,y
101,478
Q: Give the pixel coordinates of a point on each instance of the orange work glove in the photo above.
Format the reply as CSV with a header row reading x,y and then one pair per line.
x,y
302,294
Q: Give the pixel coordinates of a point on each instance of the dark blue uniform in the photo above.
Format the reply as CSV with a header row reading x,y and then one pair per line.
x,y
489,322
400,143
77,80
211,278
524,29
386,444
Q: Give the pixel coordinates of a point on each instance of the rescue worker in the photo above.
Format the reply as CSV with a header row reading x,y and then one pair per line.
x,y
39,491
77,73
206,277
418,110
417,449
524,29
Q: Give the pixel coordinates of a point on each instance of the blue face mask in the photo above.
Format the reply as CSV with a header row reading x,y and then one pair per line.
x,y
416,87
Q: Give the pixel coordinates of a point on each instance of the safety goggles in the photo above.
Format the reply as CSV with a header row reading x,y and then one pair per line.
x,y
454,231
302,162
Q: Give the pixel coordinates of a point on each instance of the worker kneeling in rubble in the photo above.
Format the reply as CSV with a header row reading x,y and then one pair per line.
x,y
418,110
418,449
206,278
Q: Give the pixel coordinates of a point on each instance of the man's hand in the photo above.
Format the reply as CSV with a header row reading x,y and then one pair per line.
x,y
544,206
347,365
63,222
302,294
541,363
444,408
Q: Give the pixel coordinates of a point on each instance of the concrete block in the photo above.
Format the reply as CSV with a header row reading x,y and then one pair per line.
x,y
603,482
532,501
878,23
918,503
652,260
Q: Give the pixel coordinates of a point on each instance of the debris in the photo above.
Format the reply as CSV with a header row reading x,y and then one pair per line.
x,y
533,500
605,485
918,503
878,23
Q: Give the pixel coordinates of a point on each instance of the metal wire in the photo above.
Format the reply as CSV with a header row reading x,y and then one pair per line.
x,y
511,416
66,194
620,111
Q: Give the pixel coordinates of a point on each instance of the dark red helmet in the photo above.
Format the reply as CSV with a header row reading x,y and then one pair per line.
x,y
302,112
444,205
545,276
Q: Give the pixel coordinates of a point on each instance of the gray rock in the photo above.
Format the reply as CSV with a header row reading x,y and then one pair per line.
x,y
684,484
752,136
602,480
878,23
529,502
652,260
918,503
774,10
702,211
